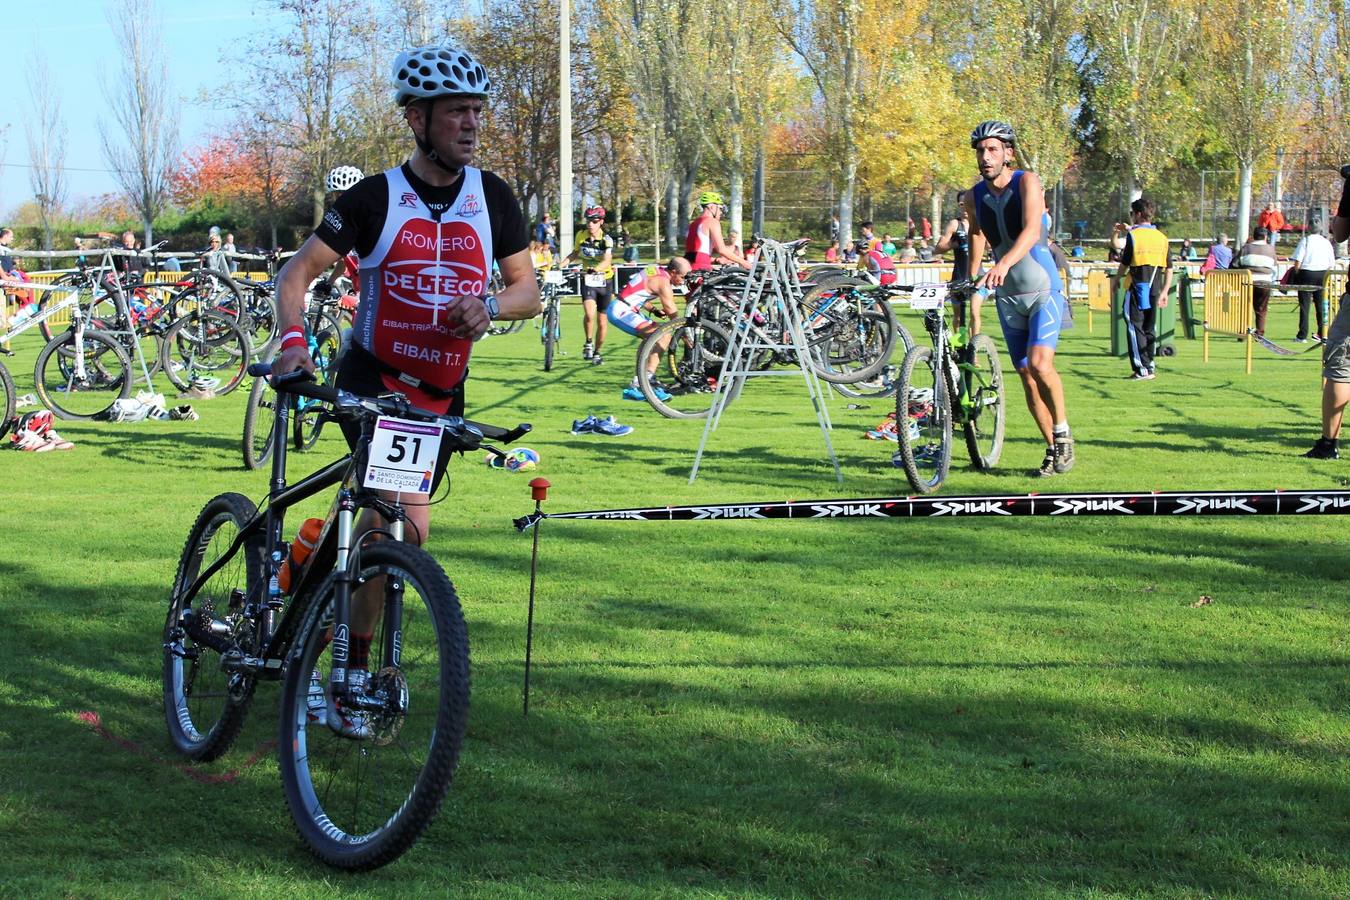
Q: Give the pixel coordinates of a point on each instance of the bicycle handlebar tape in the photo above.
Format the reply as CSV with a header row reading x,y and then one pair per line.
x,y
539,489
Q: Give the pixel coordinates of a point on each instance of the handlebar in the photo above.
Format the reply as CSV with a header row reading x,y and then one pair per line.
x,y
467,435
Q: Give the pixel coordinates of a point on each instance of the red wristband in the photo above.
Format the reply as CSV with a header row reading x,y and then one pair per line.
x,y
293,337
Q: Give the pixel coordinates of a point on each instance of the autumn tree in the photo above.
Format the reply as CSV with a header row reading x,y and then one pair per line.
x,y
1247,46
46,146
141,142
518,45
1135,57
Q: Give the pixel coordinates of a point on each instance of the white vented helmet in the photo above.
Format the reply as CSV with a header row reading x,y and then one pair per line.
x,y
426,72
343,178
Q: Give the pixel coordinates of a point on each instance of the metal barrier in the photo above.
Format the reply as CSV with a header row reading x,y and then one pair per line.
x,y
1228,307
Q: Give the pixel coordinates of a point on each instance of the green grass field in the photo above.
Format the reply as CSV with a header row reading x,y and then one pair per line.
x,y
765,709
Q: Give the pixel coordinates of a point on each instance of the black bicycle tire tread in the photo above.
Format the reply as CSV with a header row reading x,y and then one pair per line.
x,y
218,739
252,462
437,775
230,325
982,343
941,402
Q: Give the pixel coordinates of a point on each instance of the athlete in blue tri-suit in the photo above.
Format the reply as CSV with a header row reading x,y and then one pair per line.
x,y
1006,209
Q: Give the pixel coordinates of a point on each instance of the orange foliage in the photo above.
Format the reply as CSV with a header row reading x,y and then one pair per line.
x,y
227,169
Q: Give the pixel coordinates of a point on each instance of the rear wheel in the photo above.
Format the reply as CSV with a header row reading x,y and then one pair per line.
x,y
689,353
205,350
923,421
360,801
82,377
982,395
204,707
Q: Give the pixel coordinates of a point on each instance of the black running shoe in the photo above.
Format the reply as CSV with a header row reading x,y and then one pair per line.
x,y
1325,448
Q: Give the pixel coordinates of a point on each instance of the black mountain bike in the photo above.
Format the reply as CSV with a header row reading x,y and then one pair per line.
x,y
359,797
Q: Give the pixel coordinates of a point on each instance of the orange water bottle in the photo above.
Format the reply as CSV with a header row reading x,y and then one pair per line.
x,y
301,548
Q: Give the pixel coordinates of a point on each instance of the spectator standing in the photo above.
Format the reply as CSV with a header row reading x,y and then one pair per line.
x,y
1220,255
1272,220
129,267
214,257
925,251
927,229
888,245
1145,259
228,249
1313,258
834,228
1187,251
1336,351
832,252
546,233
6,271
1258,257
907,253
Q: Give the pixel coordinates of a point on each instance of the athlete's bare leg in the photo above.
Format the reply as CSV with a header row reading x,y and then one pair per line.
x,y
1044,390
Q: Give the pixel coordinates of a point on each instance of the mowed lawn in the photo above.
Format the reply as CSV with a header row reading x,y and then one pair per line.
x,y
857,708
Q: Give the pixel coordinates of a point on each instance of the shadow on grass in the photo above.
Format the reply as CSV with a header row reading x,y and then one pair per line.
x,y
871,770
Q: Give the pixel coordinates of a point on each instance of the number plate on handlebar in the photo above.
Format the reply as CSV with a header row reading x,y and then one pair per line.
x,y
403,455
927,296
595,279
553,276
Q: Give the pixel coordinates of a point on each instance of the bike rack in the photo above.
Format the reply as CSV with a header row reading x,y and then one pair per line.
x,y
773,278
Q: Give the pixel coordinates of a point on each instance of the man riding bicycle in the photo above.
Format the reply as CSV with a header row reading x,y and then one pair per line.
x,y
427,233
1006,209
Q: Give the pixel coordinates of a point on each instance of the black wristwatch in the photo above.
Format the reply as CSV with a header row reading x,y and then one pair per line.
x,y
493,310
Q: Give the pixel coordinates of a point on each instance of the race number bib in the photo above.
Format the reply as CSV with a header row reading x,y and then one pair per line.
x,y
927,296
403,455
595,279
553,276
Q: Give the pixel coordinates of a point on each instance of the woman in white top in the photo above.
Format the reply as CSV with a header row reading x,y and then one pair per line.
x,y
1313,258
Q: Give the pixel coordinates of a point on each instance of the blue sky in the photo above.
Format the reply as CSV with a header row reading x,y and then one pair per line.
x,y
199,41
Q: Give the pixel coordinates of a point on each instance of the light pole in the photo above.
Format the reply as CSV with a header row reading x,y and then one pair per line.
x,y
565,128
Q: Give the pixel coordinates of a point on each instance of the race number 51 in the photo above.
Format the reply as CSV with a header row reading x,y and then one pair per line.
x,y
403,455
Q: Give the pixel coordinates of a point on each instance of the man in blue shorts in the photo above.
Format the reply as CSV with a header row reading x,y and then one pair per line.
x,y
1006,210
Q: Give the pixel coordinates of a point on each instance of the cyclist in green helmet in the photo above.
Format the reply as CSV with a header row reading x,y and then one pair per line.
x,y
703,243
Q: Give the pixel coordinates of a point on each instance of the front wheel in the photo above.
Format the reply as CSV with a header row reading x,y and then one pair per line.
x,y
983,402
923,421
82,376
259,419
360,800
203,705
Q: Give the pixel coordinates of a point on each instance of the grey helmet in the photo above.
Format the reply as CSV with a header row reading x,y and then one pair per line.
x,y
426,72
993,129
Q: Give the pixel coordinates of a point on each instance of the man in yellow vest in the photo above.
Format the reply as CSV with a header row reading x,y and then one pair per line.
x,y
1148,264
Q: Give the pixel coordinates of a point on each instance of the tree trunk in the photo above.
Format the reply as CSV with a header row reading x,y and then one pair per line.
x,y
672,213
846,210
757,216
1244,210
736,180
935,210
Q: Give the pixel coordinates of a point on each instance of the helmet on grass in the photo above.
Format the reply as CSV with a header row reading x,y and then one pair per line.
x,y
993,128
343,178
426,72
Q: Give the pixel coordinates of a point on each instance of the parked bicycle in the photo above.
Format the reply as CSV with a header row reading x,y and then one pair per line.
x,y
958,380
359,794
324,335
550,320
